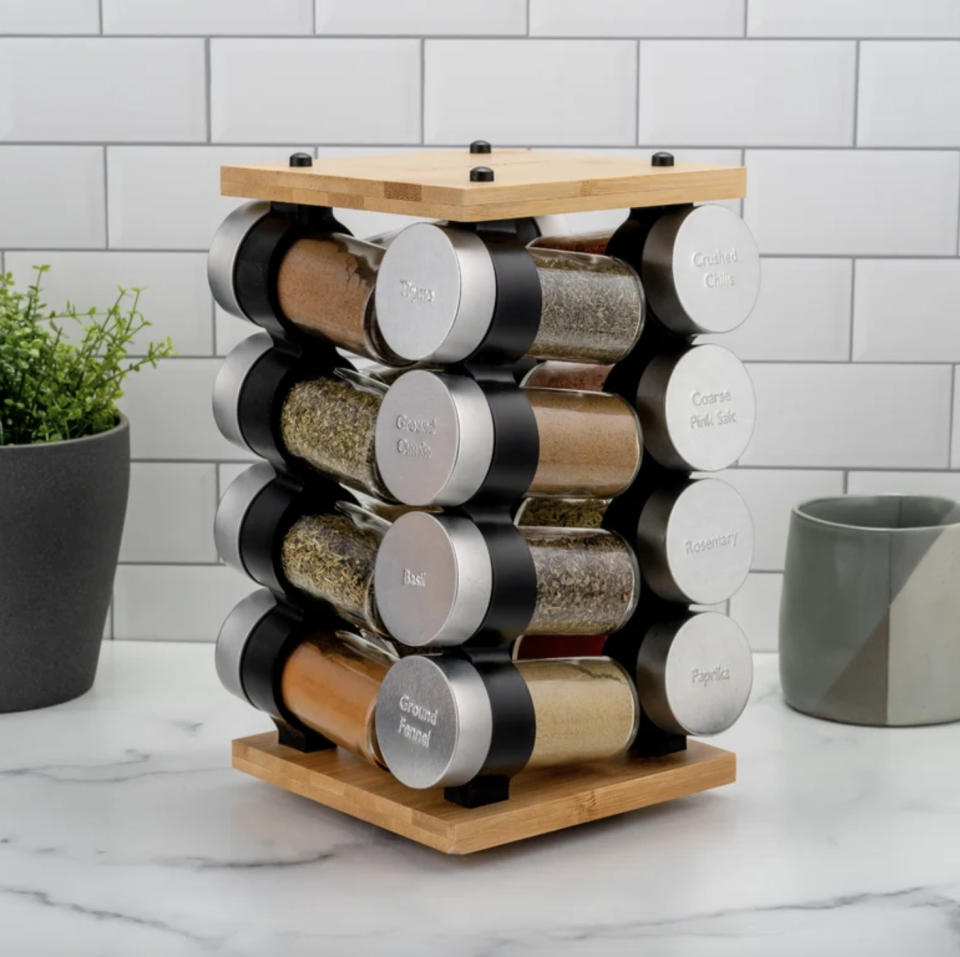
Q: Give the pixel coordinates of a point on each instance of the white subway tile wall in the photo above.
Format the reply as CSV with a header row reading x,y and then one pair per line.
x,y
115,116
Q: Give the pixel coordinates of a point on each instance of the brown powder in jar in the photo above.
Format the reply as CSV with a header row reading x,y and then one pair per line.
x,y
331,557
331,682
562,512
595,242
330,422
591,307
568,375
586,709
325,285
588,581
589,443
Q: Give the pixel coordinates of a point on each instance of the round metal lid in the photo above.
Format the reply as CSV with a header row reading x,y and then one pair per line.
x,y
229,383
435,293
232,510
434,438
222,258
698,409
433,579
696,544
235,632
701,269
434,722
694,676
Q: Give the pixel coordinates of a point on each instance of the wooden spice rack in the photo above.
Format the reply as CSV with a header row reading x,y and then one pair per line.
x,y
541,801
438,185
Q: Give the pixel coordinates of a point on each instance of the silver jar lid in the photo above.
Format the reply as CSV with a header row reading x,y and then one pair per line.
x,y
229,383
695,543
222,258
697,409
435,293
433,579
434,438
234,634
232,510
694,675
701,269
434,721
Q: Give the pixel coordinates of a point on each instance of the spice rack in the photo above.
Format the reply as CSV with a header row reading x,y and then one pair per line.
x,y
493,205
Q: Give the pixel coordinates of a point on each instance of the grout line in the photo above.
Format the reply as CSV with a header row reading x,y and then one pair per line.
x,y
171,564
846,481
110,615
528,18
746,18
410,144
106,205
209,88
636,94
100,16
856,94
853,306
564,38
952,417
313,14
423,87
958,212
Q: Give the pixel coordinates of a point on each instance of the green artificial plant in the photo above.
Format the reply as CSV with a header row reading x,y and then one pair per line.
x,y
56,386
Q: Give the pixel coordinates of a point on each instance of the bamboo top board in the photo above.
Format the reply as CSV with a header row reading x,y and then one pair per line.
x,y
541,801
436,184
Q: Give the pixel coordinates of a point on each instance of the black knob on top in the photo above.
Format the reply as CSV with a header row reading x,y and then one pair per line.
x,y
481,174
479,146
301,159
661,158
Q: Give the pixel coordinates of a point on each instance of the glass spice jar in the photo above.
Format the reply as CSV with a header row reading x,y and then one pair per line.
x,y
434,580
332,556
324,283
593,242
436,438
562,512
330,422
558,646
567,375
436,295
315,676
435,718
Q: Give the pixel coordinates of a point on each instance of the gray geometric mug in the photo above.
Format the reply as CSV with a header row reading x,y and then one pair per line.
x,y
870,613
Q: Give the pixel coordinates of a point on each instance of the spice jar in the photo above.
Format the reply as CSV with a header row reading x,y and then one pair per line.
x,y
562,512
436,716
437,438
701,269
694,674
435,579
697,408
593,242
437,292
695,542
318,284
307,673
296,417
558,646
567,375
293,539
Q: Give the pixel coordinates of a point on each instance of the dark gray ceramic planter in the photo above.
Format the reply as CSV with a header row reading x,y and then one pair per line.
x,y
62,506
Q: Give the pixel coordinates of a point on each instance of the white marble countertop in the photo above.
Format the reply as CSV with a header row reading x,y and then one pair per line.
x,y
124,831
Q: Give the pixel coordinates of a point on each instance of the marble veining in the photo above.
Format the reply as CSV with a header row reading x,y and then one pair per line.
x,y
123,830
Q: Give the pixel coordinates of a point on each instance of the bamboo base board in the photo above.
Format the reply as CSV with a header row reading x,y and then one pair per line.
x,y
436,184
540,801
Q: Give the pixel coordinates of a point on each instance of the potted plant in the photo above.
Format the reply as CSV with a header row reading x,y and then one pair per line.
x,y
64,474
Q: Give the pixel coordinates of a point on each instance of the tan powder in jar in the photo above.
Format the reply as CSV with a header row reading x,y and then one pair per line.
x,y
590,443
586,709
325,285
331,682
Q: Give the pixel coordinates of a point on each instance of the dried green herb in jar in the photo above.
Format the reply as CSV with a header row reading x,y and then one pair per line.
x,y
330,422
562,512
331,556
588,581
592,307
